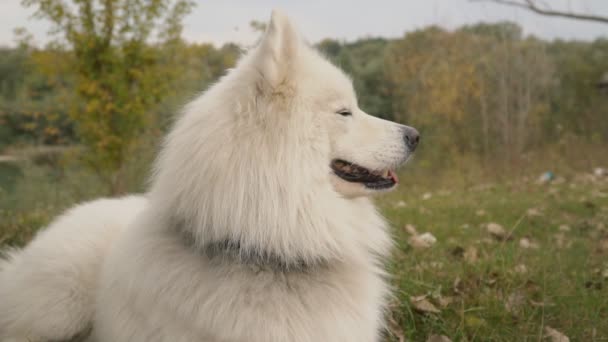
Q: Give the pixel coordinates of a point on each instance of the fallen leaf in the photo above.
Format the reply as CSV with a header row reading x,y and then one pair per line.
x,y
445,301
438,338
534,212
496,230
561,241
555,335
521,269
526,243
603,246
420,303
540,304
425,240
457,286
515,302
410,229
400,204
471,255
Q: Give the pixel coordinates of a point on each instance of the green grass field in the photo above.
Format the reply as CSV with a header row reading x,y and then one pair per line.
x,y
547,269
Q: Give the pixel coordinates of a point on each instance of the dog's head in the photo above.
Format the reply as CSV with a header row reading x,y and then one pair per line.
x,y
364,151
275,151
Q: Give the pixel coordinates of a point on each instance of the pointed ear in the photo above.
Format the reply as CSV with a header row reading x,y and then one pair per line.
x,y
278,49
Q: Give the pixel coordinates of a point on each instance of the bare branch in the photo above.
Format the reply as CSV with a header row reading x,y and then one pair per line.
x,y
532,6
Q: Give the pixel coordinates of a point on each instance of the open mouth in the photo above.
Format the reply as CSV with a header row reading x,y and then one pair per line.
x,y
354,173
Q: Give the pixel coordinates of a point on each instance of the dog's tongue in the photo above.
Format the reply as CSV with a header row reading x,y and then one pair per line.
x,y
393,176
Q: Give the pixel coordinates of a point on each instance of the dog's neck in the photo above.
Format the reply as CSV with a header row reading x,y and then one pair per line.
x,y
231,251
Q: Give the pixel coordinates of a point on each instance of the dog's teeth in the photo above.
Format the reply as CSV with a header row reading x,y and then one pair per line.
x,y
385,174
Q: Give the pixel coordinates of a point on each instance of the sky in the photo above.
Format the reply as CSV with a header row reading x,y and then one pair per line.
x,y
219,22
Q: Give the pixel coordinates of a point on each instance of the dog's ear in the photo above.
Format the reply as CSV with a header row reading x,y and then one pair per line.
x,y
278,50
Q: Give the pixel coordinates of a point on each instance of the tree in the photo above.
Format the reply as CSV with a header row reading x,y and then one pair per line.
x,y
119,74
533,6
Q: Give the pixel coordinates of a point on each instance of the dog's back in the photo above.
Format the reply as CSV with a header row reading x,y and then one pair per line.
x,y
47,289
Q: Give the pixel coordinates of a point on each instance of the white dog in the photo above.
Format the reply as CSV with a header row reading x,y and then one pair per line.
x,y
257,227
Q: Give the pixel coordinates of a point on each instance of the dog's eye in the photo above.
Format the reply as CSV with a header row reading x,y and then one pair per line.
x,y
344,112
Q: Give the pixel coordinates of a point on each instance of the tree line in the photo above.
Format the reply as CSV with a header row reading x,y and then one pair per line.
x,y
485,91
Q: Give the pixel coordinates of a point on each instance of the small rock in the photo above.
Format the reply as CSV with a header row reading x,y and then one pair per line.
x,y
600,172
400,204
426,196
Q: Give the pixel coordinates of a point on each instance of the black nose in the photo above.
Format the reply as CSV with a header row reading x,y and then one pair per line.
x,y
411,138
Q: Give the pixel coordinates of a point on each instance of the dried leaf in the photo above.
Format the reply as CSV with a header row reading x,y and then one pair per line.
x,y
445,301
425,240
561,241
496,230
400,204
521,269
420,303
410,229
438,338
471,255
540,304
555,335
515,302
534,212
526,243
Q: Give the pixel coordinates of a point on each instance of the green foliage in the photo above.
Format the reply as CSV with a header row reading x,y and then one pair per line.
x,y
483,94
118,75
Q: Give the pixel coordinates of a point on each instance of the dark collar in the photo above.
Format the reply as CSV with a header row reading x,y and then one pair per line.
x,y
232,252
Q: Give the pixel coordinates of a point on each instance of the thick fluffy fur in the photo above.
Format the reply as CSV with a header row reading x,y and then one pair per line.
x,y
246,163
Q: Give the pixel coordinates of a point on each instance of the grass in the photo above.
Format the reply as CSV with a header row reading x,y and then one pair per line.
x,y
503,289
483,287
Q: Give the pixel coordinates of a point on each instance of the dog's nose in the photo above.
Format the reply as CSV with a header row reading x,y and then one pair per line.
x,y
411,138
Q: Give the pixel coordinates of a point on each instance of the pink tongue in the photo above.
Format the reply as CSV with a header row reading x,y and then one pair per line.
x,y
393,176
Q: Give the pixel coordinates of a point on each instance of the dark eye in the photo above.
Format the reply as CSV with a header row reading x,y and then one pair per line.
x,y
344,112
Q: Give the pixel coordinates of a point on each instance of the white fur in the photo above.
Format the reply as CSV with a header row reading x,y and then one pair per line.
x,y
247,161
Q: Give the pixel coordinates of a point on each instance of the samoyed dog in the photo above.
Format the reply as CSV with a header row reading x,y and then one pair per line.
x,y
257,227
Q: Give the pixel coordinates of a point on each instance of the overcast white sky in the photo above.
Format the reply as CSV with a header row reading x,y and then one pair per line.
x,y
223,21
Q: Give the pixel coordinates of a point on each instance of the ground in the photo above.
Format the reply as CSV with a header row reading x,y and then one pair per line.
x,y
512,262
507,261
